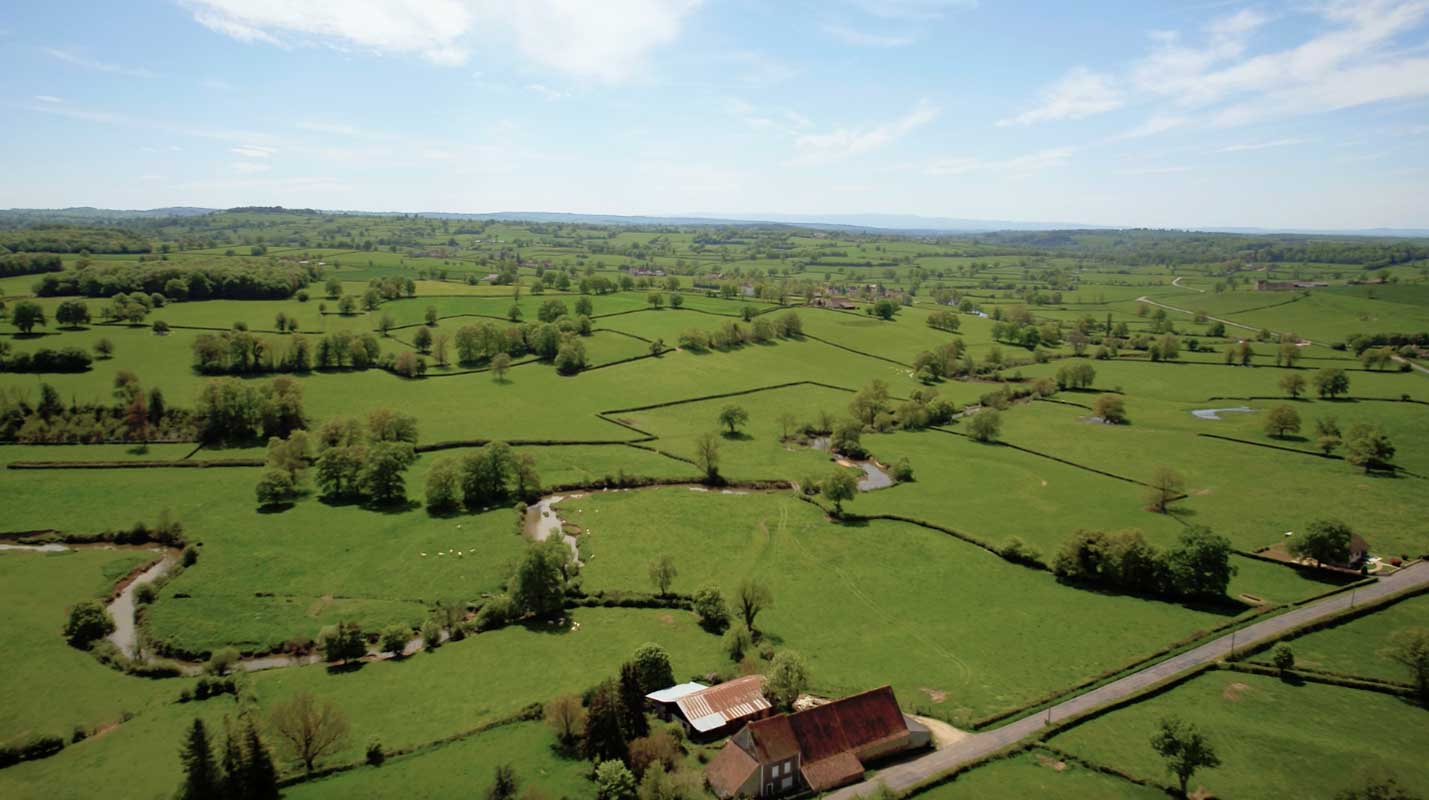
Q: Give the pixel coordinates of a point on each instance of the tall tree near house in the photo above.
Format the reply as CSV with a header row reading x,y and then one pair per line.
x,y
605,735
1325,540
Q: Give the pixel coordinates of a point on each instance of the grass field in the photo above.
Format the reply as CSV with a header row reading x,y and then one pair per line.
x,y
463,767
1355,647
1038,774
50,687
960,633
1273,738
875,577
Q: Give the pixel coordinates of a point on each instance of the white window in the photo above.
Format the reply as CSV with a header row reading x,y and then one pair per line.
x,y
785,784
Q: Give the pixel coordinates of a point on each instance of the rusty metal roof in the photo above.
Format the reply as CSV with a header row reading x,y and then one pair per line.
x,y
720,705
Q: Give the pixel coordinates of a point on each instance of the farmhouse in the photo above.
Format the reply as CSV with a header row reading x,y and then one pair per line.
x,y
832,302
708,712
819,748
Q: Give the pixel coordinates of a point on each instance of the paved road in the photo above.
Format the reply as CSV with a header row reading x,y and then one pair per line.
x,y
910,773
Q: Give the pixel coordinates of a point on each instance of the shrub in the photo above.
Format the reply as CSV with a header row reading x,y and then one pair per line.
x,y
221,661
737,642
395,638
36,745
190,556
431,634
1019,552
709,605
144,594
497,613
87,622
375,754
903,471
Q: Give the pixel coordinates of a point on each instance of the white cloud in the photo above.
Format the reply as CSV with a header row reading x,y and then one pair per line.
x,y
606,41
858,38
1244,146
1016,166
1345,65
1174,170
147,123
545,91
912,9
254,151
249,167
841,143
1078,94
48,98
71,57
1159,123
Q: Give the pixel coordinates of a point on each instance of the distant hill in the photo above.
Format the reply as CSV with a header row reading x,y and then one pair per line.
x,y
871,223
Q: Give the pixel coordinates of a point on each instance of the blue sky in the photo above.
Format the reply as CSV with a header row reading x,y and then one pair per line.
x,y
1276,114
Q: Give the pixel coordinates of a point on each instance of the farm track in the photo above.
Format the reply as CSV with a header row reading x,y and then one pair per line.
x,y
911,774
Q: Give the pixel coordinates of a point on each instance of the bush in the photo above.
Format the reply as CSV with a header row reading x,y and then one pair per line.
x,y
497,613
709,605
87,622
190,556
737,642
375,754
431,634
903,471
36,745
221,661
144,594
395,638
1019,552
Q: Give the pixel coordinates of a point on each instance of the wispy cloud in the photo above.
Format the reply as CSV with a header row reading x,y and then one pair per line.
x,y
1079,94
1016,166
607,41
920,10
1159,123
545,91
1349,62
48,98
1244,146
1172,170
81,60
146,123
842,143
254,151
861,38
249,167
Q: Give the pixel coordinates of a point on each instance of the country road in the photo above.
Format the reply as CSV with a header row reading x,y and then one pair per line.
x,y
908,774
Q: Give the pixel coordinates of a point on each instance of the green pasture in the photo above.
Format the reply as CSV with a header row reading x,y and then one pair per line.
x,y
50,687
1274,739
1037,773
876,578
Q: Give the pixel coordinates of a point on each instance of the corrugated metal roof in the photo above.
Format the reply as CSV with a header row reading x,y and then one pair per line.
x,y
773,739
716,706
674,693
